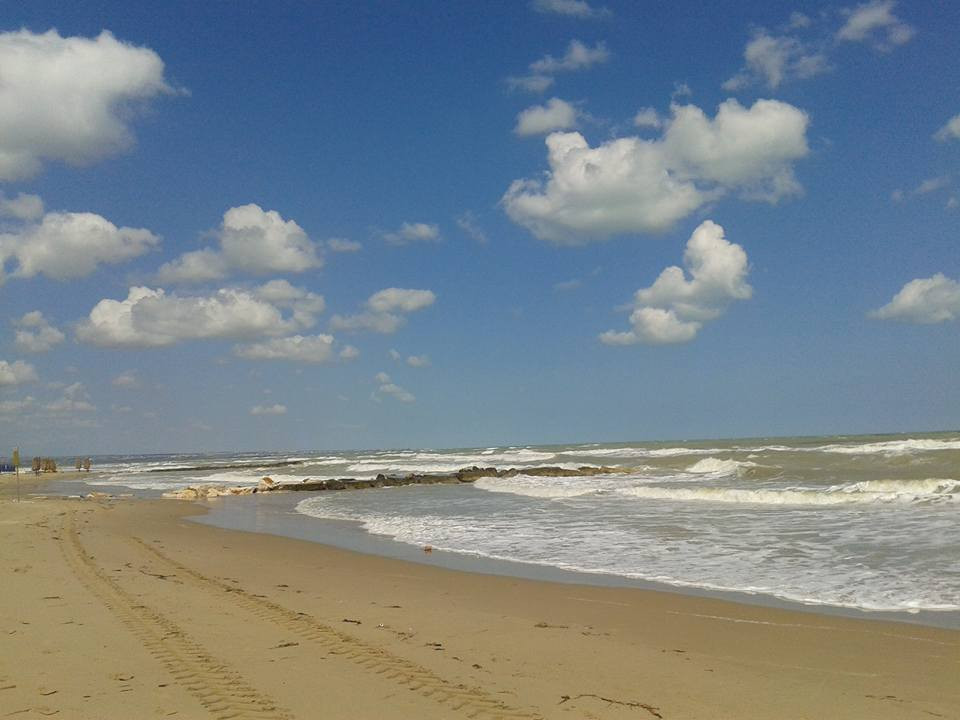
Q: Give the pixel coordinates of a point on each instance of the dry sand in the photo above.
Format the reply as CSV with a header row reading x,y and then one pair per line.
x,y
125,609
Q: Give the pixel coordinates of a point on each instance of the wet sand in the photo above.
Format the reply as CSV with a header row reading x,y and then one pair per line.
x,y
126,609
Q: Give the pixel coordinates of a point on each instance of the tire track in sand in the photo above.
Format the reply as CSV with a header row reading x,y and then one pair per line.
x,y
218,688
473,702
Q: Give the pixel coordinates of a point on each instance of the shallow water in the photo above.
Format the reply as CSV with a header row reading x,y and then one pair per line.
x,y
868,523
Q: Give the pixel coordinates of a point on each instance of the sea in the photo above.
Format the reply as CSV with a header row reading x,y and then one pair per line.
x,y
864,523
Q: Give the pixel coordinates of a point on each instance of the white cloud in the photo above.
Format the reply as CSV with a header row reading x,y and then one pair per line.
x,y
21,207
35,334
70,245
313,349
388,388
565,285
385,323
952,203
468,223
413,232
348,353
569,8
417,361
98,79
577,57
382,310
799,20
647,118
774,60
673,309
252,241
876,22
400,300
531,83
276,409
153,318
927,301
127,380
16,373
633,185
15,407
556,114
924,188
75,399
950,131
342,245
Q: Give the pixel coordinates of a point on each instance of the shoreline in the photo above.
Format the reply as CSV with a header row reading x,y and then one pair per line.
x,y
199,620
274,514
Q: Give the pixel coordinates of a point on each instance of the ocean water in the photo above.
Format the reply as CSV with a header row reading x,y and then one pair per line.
x,y
871,523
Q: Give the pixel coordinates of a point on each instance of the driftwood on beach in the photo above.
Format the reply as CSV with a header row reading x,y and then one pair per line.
x,y
464,475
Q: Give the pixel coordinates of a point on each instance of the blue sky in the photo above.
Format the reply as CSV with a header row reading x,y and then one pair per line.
x,y
355,225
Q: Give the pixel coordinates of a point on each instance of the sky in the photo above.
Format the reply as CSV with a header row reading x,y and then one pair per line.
x,y
321,226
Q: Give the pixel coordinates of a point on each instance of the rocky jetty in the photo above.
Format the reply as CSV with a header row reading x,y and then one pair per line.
x,y
464,475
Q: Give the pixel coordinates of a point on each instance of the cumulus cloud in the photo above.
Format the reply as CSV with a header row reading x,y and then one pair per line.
x,y
773,60
21,207
416,361
97,79
384,310
570,8
342,245
16,373
634,185
927,301
252,241
555,114
674,308
950,131
412,233
400,300
276,409
65,245
578,56
648,117
154,318
389,389
875,22
312,349
35,334
75,399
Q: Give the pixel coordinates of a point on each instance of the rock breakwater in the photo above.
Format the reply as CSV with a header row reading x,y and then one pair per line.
x,y
464,475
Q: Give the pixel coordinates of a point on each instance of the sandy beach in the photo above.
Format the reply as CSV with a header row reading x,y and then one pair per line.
x,y
121,609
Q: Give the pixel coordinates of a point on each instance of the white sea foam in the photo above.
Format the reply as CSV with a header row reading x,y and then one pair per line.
x,y
719,466
836,495
636,452
929,486
891,447
812,574
554,487
448,462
